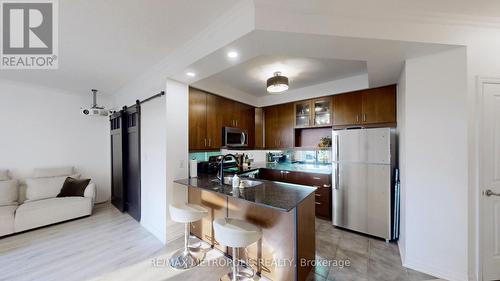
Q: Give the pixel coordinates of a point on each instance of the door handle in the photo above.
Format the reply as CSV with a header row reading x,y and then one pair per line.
x,y
489,193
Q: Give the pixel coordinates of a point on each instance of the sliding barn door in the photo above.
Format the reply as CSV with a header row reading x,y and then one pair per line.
x,y
117,173
132,161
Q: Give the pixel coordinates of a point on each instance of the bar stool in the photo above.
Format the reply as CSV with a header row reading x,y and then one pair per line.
x,y
185,213
236,234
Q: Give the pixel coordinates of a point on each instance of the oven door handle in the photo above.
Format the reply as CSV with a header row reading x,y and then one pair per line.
x,y
243,138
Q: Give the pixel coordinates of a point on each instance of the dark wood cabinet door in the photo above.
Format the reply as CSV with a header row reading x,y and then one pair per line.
x,y
379,105
270,175
271,126
286,118
197,119
245,120
347,109
215,119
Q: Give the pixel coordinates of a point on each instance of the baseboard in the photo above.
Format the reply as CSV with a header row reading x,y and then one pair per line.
x,y
435,271
158,233
174,231
402,253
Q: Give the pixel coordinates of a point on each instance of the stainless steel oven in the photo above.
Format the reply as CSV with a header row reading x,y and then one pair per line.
x,y
234,137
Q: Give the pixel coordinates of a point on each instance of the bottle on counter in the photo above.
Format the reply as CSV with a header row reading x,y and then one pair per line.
x,y
236,181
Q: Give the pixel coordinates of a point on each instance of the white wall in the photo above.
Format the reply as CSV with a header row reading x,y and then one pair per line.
x,y
434,156
401,141
177,105
153,167
42,127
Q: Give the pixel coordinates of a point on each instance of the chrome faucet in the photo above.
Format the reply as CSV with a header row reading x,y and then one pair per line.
x,y
220,175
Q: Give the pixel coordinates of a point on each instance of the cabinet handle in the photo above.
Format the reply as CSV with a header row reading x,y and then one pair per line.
x,y
364,117
327,185
317,203
357,118
210,142
317,195
316,178
205,140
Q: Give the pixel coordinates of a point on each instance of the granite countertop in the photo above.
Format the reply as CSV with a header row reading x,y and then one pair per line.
x,y
293,167
277,195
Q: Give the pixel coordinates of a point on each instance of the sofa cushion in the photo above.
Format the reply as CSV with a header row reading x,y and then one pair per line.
x,y
48,211
7,219
73,187
43,188
9,192
53,172
4,175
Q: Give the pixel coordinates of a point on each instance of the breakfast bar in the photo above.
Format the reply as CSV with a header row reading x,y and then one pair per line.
x,y
285,212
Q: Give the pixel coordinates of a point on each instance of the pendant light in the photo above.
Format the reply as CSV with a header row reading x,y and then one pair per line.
x,y
277,84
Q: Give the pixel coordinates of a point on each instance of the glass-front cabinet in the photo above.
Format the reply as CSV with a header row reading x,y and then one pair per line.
x,y
323,111
313,113
303,114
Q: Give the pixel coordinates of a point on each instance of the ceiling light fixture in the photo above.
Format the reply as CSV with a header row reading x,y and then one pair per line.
x,y
232,54
277,84
191,74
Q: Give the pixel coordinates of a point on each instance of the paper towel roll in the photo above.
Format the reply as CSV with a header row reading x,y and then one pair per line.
x,y
193,168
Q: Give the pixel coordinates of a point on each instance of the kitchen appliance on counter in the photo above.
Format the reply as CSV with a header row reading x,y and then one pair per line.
x,y
234,137
363,182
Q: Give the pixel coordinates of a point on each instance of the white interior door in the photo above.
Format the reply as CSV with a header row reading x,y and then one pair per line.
x,y
490,173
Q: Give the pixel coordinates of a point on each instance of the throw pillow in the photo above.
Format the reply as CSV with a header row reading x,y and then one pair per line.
x,y
8,193
73,187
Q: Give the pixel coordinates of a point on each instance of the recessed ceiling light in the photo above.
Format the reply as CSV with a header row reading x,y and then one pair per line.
x,y
232,54
191,74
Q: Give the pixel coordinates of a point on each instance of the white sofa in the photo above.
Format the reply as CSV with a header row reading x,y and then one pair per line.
x,y
34,204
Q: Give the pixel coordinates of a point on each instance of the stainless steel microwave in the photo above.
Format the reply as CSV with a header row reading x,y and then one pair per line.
x,y
234,137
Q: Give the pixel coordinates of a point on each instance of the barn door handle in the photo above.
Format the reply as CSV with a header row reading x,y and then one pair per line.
x,y
491,193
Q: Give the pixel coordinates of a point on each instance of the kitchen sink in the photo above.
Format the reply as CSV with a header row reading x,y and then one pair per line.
x,y
250,183
246,183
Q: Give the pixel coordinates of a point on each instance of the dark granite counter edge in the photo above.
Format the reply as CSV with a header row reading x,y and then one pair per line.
x,y
313,189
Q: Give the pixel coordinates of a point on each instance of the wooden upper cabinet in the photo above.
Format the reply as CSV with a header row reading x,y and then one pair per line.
x,y
197,119
347,109
215,121
271,124
371,108
209,114
285,125
303,114
322,112
279,122
379,105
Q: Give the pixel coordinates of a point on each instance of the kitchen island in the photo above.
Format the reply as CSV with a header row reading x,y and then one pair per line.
x,y
285,212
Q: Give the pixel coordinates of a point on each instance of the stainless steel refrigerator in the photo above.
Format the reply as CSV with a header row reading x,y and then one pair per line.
x,y
363,166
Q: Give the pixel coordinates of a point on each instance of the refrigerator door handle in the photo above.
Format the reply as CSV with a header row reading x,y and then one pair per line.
x,y
337,176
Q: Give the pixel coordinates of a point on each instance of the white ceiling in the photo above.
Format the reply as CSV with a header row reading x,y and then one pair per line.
x,y
251,75
104,44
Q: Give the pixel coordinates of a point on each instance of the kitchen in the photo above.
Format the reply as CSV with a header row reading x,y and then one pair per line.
x,y
328,146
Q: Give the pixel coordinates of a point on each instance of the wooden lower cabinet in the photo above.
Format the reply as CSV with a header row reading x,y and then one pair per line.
x,y
322,182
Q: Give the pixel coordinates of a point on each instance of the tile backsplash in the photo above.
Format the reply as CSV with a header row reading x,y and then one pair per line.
x,y
320,156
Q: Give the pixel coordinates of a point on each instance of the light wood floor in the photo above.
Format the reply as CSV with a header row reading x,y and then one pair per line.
x,y
111,246
90,248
